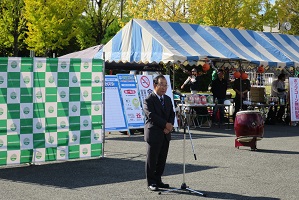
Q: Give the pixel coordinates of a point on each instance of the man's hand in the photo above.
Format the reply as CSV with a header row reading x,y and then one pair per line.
x,y
169,127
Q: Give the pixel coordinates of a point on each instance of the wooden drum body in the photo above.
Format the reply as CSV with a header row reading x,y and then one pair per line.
x,y
249,126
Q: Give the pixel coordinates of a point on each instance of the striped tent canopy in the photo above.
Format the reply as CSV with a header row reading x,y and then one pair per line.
x,y
147,41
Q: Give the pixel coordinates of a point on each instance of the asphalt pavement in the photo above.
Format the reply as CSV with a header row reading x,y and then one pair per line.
x,y
220,171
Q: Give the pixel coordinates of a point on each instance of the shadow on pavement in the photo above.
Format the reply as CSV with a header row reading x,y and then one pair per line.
x,y
85,173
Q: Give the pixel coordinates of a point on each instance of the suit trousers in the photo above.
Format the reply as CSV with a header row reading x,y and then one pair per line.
x,y
156,159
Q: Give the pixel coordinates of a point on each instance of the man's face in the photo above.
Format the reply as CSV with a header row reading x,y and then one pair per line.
x,y
194,73
220,75
161,87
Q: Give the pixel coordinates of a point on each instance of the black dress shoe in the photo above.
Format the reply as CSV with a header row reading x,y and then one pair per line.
x,y
153,187
163,185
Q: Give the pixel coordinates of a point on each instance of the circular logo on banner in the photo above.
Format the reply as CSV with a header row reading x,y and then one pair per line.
x,y
63,65
51,139
1,111
1,80
14,64
13,95
97,79
62,153
38,155
26,110
96,107
74,79
13,157
85,123
74,108
39,95
84,151
26,80
38,125
86,65
51,79
1,143
39,65
62,94
74,138
96,136
85,94
26,141
13,127
62,124
50,109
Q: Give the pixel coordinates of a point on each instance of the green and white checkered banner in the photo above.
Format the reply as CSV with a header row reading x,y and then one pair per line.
x,y
50,109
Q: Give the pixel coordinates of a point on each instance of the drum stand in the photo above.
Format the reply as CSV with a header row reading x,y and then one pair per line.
x,y
184,186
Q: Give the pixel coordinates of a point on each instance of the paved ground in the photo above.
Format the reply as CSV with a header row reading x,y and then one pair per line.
x,y
221,171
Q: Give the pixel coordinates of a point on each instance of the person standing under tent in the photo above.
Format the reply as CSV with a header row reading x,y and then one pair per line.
x,y
278,90
193,81
241,86
159,120
218,88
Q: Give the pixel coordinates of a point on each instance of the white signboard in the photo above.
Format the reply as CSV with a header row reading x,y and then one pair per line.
x,y
294,98
145,86
114,111
131,101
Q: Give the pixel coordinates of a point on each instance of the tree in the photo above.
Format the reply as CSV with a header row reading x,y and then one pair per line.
x,y
52,23
163,10
99,16
12,26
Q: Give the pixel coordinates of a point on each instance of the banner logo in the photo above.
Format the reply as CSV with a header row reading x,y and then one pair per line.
x,y
14,64
62,94
51,140
13,127
62,124
85,94
97,79
96,107
63,65
26,110
1,111
1,143
50,109
96,136
74,138
84,151
85,123
86,65
26,80
74,79
1,80
13,95
74,108
51,79
38,155
38,125
39,95
26,141
13,157
62,153
39,65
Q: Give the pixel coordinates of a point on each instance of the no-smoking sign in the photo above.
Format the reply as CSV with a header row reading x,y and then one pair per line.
x,y
144,81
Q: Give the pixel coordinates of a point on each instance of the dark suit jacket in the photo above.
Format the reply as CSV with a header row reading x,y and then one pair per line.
x,y
156,118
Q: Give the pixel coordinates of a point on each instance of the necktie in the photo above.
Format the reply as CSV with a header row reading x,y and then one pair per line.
x,y
162,101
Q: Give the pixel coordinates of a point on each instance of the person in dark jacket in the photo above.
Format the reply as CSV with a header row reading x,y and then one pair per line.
x,y
159,120
193,81
218,88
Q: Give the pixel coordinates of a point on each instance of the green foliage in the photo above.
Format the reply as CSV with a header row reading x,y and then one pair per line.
x,y
52,24
12,26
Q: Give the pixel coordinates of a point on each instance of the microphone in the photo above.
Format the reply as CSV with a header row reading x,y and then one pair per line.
x,y
178,93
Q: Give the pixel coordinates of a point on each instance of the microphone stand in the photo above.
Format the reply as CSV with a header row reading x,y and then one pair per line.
x,y
184,186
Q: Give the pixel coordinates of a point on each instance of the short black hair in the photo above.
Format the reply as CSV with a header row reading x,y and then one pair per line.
x,y
281,76
156,79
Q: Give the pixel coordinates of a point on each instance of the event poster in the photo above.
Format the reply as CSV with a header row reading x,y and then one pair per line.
x,y
114,111
294,98
131,101
145,86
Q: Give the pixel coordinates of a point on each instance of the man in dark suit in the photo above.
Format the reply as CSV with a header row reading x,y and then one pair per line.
x,y
159,122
